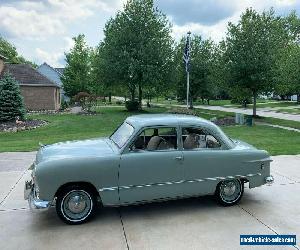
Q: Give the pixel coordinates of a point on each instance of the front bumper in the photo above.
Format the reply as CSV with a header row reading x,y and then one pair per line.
x,y
269,180
35,203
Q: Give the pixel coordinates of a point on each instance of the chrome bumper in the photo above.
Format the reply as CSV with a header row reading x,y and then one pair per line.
x,y
35,203
269,180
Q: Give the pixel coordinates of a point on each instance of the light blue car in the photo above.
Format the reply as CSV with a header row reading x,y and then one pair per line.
x,y
148,158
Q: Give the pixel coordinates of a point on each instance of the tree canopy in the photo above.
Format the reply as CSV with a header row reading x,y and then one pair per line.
x,y
10,52
252,47
76,77
137,48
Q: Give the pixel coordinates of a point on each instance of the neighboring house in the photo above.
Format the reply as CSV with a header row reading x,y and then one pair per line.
x,y
38,91
54,75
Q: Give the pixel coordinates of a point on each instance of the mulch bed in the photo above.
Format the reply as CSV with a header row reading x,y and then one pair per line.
x,y
226,121
14,126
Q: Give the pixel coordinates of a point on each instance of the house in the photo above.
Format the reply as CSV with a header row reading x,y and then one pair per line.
x,y
54,75
38,91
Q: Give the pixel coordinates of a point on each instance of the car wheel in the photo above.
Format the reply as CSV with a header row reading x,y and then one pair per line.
x,y
230,192
75,205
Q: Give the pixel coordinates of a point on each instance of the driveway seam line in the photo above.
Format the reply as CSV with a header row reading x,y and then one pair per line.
x,y
123,228
261,222
13,187
13,209
284,176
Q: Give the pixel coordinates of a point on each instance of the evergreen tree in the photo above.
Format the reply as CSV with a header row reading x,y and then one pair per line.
x,y
11,101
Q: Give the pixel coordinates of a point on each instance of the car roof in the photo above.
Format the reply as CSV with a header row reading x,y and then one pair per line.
x,y
166,120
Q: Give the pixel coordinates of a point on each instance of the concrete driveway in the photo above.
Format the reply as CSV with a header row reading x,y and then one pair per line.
x,y
186,224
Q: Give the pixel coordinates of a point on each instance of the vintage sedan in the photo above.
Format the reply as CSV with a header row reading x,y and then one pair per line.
x,y
148,158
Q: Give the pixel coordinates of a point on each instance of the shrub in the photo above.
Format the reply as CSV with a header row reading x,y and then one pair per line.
x,y
11,101
132,105
86,100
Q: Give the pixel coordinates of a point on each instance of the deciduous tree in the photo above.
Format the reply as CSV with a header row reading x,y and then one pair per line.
x,y
137,48
76,77
252,47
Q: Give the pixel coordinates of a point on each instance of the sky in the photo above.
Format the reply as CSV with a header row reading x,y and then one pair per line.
x,y
42,30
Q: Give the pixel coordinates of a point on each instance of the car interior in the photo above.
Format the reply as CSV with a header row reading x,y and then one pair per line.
x,y
156,139
196,138
166,139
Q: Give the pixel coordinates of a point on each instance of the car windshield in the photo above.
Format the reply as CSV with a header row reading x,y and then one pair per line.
x,y
122,134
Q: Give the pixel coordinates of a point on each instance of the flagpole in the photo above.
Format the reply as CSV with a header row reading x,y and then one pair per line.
x,y
188,72
187,88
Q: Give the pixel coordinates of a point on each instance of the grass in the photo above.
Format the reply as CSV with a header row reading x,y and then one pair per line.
x,y
280,122
290,111
64,127
275,141
272,104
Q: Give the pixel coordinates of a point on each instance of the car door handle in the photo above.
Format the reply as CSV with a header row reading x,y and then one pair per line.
x,y
179,158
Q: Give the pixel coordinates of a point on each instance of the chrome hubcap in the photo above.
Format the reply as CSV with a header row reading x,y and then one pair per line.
x,y
230,190
77,205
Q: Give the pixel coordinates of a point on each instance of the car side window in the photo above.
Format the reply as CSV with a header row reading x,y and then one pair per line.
x,y
198,138
155,139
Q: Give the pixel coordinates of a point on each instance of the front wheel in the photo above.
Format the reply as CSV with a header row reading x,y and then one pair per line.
x,y
75,205
229,192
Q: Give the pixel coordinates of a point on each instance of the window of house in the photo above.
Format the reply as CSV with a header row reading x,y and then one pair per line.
x,y
198,138
159,138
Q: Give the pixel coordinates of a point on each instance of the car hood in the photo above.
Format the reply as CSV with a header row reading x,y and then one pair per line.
x,y
71,149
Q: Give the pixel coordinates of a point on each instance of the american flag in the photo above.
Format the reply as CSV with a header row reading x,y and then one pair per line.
x,y
186,54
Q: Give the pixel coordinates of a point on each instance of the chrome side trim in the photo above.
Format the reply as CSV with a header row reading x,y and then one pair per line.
x,y
178,182
268,159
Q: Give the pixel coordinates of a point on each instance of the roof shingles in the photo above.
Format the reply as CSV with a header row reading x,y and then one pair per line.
x,y
26,75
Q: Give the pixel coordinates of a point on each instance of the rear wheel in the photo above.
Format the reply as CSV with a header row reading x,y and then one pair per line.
x,y
229,192
75,204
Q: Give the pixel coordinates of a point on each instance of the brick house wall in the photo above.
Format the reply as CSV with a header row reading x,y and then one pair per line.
x,y
40,97
38,91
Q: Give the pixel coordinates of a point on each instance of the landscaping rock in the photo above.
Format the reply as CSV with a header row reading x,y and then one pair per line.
x,y
17,126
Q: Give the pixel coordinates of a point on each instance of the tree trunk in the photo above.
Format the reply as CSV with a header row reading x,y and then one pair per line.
x,y
109,97
254,103
298,98
191,103
140,95
132,93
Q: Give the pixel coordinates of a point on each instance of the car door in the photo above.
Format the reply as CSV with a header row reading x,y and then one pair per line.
x,y
147,175
202,164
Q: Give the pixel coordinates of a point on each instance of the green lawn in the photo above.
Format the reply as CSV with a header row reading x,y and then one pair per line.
x,y
66,127
276,141
273,104
281,122
291,111
70,127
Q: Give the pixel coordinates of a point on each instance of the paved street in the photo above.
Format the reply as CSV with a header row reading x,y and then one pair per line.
x,y
186,224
